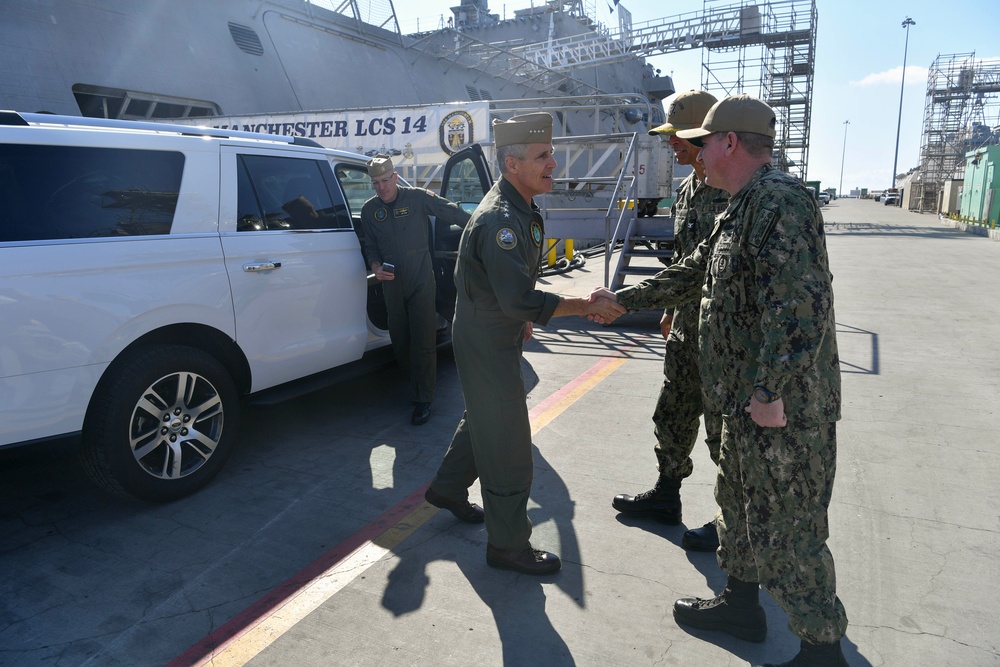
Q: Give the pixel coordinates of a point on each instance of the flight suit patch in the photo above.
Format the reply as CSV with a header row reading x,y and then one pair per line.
x,y
536,234
506,239
401,212
381,214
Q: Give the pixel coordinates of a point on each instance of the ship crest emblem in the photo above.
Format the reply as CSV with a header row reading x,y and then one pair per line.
x,y
506,239
381,214
536,234
456,131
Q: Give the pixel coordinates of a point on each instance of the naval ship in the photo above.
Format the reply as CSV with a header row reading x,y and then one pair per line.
x,y
150,59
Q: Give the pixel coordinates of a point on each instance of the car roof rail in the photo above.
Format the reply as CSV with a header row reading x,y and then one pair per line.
x,y
11,118
19,118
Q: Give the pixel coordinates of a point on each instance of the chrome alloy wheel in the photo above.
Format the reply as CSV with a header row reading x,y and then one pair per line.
x,y
176,425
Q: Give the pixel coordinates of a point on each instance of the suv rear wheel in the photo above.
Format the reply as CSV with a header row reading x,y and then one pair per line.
x,y
162,424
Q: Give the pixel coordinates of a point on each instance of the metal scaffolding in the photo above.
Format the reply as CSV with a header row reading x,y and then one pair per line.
x,y
961,114
773,57
766,49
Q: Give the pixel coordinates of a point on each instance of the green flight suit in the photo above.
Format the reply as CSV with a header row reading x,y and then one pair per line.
x,y
767,320
397,232
498,263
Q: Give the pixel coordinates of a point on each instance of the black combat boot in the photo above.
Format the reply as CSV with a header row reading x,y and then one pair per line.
x,y
662,502
815,655
705,538
736,611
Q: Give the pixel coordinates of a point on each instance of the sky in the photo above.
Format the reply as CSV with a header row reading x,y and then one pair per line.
x,y
859,62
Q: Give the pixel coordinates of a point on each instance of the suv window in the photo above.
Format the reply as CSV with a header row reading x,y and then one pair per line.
x,y
288,193
357,186
71,192
464,184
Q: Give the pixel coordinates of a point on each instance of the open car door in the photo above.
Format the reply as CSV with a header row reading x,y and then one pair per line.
x,y
466,180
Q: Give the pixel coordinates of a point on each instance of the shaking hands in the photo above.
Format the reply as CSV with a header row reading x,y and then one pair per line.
x,y
603,306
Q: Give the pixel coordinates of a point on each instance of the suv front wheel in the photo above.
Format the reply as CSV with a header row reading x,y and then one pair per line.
x,y
162,424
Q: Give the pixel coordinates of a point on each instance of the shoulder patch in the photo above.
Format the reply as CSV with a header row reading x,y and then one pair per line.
x,y
536,233
506,238
763,225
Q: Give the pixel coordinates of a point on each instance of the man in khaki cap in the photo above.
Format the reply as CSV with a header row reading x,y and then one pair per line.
x,y
681,401
769,358
498,263
396,228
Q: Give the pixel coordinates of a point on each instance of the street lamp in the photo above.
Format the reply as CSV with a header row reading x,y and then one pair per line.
x,y
906,25
840,192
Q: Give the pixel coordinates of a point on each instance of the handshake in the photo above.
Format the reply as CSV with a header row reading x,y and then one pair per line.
x,y
603,306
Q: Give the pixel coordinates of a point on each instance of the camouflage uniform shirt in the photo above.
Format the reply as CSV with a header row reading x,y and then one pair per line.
x,y
694,211
766,301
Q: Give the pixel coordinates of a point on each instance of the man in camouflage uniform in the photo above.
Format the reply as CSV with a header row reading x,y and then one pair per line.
x,y
680,404
396,229
499,258
769,358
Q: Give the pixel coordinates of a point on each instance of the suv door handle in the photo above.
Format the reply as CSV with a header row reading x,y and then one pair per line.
x,y
261,266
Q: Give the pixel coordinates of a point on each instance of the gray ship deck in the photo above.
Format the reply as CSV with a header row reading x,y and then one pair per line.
x,y
314,546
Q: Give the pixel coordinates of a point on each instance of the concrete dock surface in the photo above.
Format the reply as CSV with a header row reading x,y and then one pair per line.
x,y
314,546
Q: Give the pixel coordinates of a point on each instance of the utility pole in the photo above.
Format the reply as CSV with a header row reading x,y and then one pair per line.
x,y
906,24
840,190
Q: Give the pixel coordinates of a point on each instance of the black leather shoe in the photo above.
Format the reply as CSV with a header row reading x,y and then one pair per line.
x,y
525,561
662,502
815,655
705,538
421,413
462,509
746,621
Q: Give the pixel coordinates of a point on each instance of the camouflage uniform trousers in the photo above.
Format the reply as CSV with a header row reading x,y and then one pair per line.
x,y
681,403
774,488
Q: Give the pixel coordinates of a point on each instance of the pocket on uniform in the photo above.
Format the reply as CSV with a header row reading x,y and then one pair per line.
x,y
728,292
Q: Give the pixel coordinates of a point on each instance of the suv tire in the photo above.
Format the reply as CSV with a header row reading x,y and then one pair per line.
x,y
161,424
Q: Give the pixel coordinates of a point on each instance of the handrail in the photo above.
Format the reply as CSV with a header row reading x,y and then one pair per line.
x,y
609,238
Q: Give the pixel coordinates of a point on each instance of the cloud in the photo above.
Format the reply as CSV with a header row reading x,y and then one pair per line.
x,y
914,73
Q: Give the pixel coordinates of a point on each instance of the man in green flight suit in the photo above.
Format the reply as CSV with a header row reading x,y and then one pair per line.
x,y
769,357
499,258
681,403
396,229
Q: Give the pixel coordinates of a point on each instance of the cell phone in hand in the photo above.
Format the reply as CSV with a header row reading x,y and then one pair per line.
x,y
389,268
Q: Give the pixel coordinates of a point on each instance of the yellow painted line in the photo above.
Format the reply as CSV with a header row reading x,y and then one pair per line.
x,y
268,628
283,618
543,413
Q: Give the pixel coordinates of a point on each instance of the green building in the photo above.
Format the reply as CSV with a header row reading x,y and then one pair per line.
x,y
982,179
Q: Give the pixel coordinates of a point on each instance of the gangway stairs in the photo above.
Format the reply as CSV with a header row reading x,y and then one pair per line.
x,y
593,197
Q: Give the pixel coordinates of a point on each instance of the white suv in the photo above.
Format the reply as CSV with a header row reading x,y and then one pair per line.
x,y
152,276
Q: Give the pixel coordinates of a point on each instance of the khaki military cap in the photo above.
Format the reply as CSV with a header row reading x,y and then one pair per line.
x,y
379,165
530,128
686,111
740,113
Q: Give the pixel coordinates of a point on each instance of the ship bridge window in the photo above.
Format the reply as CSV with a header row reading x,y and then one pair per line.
x,y
246,38
478,94
102,102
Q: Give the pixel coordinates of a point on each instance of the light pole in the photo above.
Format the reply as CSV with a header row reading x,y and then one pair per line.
x,y
895,160
840,191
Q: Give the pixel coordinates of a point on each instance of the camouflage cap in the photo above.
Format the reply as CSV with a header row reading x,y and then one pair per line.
x,y
739,113
529,128
379,165
686,111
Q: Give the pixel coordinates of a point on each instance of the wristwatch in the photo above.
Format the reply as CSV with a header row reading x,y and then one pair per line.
x,y
763,395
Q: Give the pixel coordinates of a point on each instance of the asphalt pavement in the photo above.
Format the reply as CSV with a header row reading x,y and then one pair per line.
x,y
314,546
